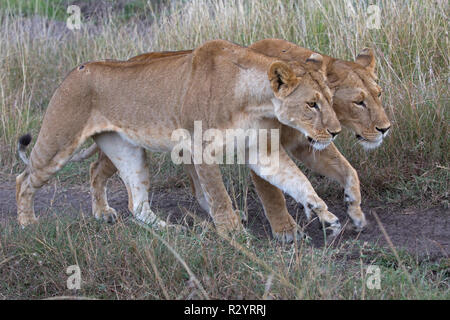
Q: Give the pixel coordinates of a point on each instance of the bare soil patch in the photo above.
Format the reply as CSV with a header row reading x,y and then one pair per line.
x,y
422,232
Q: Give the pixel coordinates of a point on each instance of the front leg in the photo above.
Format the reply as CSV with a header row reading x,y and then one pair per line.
x,y
331,163
217,198
288,177
284,228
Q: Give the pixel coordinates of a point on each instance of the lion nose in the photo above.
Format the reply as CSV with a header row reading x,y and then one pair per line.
x,y
383,130
333,134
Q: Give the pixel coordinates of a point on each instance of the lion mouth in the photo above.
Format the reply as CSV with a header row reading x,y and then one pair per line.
x,y
361,138
317,144
369,144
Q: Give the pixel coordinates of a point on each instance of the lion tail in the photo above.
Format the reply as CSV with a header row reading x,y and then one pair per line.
x,y
85,153
24,141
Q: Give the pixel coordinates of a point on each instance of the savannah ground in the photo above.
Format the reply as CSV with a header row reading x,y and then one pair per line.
x,y
404,182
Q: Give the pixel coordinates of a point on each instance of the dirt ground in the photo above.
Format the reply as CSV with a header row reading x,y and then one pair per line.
x,y
424,233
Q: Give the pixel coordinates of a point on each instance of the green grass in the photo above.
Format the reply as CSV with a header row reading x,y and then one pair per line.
x,y
53,9
126,261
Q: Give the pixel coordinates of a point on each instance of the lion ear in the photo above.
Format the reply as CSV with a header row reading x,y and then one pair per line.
x,y
282,79
366,59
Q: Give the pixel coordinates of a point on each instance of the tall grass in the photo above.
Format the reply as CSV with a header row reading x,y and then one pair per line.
x,y
412,49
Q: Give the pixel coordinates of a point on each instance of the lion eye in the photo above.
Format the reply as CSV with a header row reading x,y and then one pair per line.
x,y
360,103
379,95
313,105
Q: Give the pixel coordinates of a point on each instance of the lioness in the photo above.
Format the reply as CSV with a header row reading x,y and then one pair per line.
x,y
357,103
131,106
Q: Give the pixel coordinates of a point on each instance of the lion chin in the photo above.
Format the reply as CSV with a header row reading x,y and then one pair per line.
x,y
370,145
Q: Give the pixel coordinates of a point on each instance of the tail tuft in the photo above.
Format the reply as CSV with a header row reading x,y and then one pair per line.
x,y
24,141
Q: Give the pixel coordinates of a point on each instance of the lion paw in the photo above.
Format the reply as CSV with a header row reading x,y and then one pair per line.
x,y
358,218
150,218
26,220
108,214
229,224
291,236
286,230
334,227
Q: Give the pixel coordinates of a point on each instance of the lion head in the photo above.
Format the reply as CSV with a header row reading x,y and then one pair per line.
x,y
356,95
357,98
304,100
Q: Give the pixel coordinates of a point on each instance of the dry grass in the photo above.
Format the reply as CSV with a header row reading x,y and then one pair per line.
x,y
411,45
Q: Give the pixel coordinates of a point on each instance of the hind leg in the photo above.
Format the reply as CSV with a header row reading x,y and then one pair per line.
x,y
100,171
45,161
25,198
196,187
67,123
131,163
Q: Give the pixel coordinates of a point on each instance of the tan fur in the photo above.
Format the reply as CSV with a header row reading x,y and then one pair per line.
x,y
347,80
140,103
